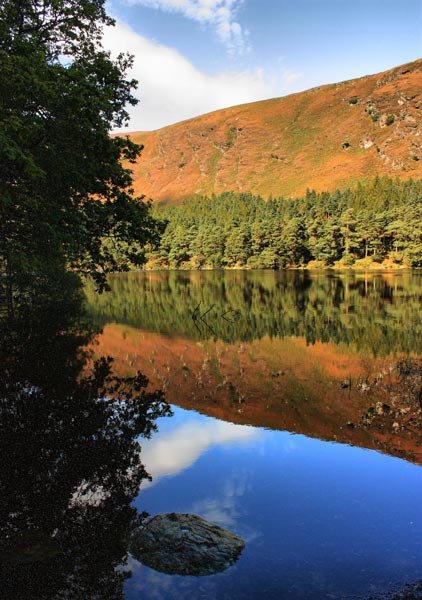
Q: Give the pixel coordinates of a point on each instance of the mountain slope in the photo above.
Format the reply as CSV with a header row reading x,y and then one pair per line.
x,y
323,138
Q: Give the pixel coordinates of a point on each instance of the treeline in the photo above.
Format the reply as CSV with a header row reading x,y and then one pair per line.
x,y
375,222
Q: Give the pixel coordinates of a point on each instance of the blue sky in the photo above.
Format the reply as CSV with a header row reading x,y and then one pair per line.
x,y
193,56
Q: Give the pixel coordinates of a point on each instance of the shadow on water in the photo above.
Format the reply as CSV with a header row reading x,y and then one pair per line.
x,y
70,462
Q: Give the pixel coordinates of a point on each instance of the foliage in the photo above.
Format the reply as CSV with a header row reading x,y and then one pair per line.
x,y
65,198
380,219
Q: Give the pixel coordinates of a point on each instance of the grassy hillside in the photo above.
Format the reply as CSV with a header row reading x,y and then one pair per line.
x,y
321,139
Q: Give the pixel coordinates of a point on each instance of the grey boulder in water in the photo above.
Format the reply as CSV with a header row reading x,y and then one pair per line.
x,y
182,544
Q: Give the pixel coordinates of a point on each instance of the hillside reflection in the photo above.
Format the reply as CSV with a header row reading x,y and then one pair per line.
x,y
306,352
70,460
375,313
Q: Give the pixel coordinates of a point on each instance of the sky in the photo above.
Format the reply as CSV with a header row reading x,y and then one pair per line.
x,y
195,56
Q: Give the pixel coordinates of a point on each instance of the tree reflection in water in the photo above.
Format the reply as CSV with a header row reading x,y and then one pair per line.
x,y
70,461
376,313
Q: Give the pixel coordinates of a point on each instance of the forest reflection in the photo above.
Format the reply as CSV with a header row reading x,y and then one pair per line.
x,y
376,313
308,352
70,456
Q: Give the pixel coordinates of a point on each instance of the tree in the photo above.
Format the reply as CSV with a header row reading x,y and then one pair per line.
x,y
260,235
369,228
293,250
348,231
212,245
65,196
237,246
324,239
180,251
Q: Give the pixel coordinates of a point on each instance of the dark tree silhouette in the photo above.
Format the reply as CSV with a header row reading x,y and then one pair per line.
x,y
70,461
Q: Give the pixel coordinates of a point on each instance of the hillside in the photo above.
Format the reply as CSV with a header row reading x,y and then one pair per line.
x,y
321,139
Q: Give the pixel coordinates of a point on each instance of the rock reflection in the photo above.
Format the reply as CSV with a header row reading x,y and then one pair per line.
x,y
70,461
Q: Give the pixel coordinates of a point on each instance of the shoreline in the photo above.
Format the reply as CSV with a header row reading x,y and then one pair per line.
x,y
356,269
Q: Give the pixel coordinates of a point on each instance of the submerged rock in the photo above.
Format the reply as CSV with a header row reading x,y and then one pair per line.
x,y
185,544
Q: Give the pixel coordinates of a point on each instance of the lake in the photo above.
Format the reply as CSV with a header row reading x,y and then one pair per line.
x,y
269,375
294,422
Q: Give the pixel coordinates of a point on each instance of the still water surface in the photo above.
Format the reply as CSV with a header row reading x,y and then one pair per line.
x,y
251,362
296,424
320,520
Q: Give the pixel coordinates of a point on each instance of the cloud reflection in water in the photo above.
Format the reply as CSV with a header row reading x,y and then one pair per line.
x,y
172,452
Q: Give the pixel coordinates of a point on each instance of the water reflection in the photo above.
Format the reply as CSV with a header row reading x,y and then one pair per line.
x,y
178,449
70,457
312,352
320,520
377,313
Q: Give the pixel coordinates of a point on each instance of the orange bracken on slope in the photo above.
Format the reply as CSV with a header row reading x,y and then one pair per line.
x,y
323,138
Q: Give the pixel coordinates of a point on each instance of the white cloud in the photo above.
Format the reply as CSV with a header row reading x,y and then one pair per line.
x,y
220,14
172,89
